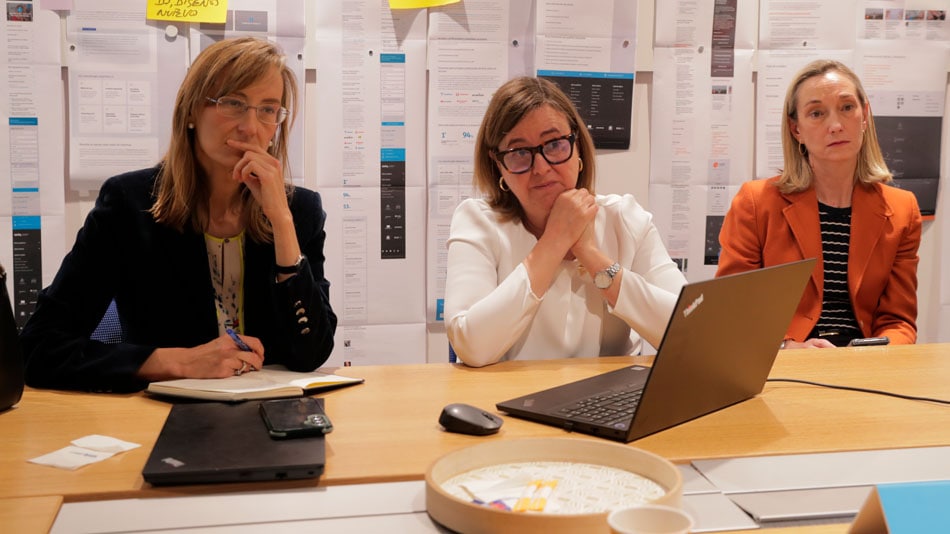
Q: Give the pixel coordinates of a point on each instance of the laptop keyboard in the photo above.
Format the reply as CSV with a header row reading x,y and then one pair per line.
x,y
606,408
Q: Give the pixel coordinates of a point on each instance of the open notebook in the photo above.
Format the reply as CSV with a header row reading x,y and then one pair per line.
x,y
718,349
271,382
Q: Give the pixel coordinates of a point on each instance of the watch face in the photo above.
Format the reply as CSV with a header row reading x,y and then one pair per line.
x,y
603,279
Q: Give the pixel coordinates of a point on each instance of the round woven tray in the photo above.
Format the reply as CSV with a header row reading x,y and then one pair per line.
x,y
460,513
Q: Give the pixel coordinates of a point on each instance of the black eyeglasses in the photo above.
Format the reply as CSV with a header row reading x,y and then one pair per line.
x,y
235,108
520,160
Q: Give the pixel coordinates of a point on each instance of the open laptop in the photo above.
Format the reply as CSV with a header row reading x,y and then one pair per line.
x,y
212,442
718,350
11,356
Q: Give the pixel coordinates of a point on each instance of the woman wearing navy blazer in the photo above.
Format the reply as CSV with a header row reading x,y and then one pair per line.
x,y
831,202
212,241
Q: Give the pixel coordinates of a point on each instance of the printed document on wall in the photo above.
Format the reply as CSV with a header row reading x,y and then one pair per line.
x,y
692,178
592,62
465,68
379,344
32,206
367,288
474,47
906,86
690,227
915,20
691,23
370,158
806,24
370,64
706,119
119,105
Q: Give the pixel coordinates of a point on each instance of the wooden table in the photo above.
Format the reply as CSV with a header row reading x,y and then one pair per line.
x,y
387,429
29,514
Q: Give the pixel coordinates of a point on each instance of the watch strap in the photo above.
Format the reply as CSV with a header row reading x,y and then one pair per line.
x,y
290,269
610,273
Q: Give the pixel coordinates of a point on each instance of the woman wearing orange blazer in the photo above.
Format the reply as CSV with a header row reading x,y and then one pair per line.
x,y
830,203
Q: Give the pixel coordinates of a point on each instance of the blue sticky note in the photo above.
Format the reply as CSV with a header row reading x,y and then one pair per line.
x,y
914,507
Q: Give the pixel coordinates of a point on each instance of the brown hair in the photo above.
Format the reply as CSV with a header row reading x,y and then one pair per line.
x,y
510,103
797,174
227,66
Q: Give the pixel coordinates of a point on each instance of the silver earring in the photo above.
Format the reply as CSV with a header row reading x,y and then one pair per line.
x,y
191,126
502,185
270,144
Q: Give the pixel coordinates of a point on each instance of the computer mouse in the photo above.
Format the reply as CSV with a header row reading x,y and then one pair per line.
x,y
468,419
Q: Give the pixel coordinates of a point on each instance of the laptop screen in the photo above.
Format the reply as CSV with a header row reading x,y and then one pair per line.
x,y
718,349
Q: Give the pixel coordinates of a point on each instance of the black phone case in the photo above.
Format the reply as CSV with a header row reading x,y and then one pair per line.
x,y
869,341
293,418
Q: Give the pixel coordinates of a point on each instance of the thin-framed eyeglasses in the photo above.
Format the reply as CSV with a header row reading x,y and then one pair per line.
x,y
235,108
520,160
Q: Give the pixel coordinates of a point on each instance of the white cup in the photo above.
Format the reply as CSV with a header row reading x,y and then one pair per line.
x,y
649,519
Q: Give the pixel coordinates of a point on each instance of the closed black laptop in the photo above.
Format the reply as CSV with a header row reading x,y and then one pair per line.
x,y
718,350
11,356
212,442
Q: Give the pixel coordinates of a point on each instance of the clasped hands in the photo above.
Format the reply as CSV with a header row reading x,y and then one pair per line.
x,y
813,343
571,223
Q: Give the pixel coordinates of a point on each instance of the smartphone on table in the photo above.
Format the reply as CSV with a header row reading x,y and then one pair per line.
x,y
295,418
869,341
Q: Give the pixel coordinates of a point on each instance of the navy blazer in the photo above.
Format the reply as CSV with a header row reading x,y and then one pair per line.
x,y
161,284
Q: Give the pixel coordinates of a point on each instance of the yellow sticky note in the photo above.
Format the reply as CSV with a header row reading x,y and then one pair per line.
x,y
417,4
523,504
188,10
540,499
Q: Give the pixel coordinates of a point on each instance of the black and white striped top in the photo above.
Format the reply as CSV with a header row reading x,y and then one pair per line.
x,y
837,322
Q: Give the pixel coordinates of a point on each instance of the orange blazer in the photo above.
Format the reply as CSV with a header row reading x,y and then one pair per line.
x,y
766,227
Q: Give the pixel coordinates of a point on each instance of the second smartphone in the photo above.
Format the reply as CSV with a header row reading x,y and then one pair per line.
x,y
293,418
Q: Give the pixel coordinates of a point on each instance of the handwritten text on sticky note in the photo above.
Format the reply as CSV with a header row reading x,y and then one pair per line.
x,y
188,10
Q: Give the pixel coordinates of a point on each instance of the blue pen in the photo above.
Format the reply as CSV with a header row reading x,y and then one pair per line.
x,y
237,340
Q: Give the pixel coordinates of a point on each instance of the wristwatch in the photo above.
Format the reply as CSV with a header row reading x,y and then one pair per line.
x,y
290,269
604,278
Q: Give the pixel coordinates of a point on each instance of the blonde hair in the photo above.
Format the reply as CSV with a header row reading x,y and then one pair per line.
x,y
181,189
797,174
510,103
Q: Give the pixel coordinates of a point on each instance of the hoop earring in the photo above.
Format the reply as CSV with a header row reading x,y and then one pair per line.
x,y
580,165
802,149
502,185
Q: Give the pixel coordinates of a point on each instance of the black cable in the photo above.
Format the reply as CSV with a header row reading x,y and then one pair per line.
x,y
862,390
